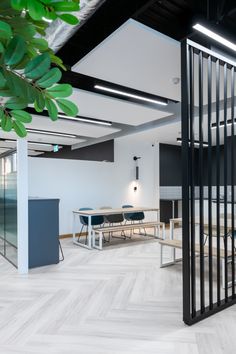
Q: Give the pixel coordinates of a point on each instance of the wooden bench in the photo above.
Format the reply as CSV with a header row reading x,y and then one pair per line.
x,y
177,244
173,222
159,228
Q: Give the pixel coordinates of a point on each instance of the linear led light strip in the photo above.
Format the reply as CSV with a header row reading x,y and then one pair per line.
x,y
197,143
31,143
46,132
87,120
222,124
126,94
215,36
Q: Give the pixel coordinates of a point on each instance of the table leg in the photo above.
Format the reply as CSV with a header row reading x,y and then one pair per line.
x,y
173,209
90,231
73,227
77,242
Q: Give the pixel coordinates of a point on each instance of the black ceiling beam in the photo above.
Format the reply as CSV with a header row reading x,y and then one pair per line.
x,y
108,18
87,83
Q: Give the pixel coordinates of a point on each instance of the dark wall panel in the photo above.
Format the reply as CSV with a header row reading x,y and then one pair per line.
x,y
98,152
170,165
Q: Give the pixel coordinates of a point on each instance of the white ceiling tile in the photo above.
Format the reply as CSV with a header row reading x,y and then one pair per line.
x,y
115,110
70,127
136,56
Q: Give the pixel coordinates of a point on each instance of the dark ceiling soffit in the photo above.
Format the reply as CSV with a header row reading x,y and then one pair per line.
x,y
44,113
87,83
103,151
108,18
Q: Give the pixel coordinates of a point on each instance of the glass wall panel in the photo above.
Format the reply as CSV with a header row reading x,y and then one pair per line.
x,y
8,207
2,206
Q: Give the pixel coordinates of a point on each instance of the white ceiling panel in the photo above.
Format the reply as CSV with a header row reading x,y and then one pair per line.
x,y
2,150
102,107
43,138
34,153
35,146
166,134
136,56
70,127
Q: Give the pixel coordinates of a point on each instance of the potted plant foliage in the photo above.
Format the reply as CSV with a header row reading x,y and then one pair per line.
x,y
29,69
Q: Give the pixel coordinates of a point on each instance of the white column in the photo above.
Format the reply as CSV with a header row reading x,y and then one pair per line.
x,y
157,175
22,206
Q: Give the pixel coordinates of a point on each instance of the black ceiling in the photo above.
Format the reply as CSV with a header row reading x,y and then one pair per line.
x,y
175,17
171,17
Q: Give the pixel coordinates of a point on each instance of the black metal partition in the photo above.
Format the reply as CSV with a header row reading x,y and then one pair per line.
x,y
208,150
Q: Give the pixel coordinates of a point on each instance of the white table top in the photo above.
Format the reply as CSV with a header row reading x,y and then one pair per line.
x,y
113,211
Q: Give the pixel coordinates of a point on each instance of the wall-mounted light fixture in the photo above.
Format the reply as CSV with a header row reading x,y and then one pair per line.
x,y
136,158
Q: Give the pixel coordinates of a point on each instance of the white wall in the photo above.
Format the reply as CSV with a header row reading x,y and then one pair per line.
x,y
94,184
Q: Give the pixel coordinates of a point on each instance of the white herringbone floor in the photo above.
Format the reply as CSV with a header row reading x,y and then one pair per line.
x,y
117,301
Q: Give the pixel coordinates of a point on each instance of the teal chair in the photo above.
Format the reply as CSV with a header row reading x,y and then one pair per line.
x,y
132,217
96,220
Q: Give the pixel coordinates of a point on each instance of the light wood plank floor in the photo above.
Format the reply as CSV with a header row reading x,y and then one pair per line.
x,y
117,301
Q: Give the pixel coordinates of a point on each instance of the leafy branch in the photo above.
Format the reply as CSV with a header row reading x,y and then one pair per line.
x,y
29,70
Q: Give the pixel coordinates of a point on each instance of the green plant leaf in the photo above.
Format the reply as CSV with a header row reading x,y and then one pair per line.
x,y
39,43
38,66
56,60
1,114
71,19
15,51
51,15
6,123
1,48
20,87
67,6
22,116
68,107
24,29
19,128
50,78
5,30
18,4
22,63
52,109
36,10
39,103
60,90
16,103
2,80
5,92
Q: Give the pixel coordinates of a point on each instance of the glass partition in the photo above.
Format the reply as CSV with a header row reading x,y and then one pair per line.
x,y
8,207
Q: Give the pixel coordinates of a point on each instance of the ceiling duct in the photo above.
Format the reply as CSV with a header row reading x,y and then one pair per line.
x,y
59,32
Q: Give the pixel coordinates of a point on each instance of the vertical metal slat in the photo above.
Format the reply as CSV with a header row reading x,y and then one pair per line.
x,y
201,190
225,186
232,177
192,177
218,178
185,181
209,89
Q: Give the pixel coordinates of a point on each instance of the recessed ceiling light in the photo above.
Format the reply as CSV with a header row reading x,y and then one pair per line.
x,y
86,120
214,36
127,94
46,132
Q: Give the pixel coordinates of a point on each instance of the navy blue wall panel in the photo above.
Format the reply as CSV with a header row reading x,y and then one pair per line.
x,y
43,232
